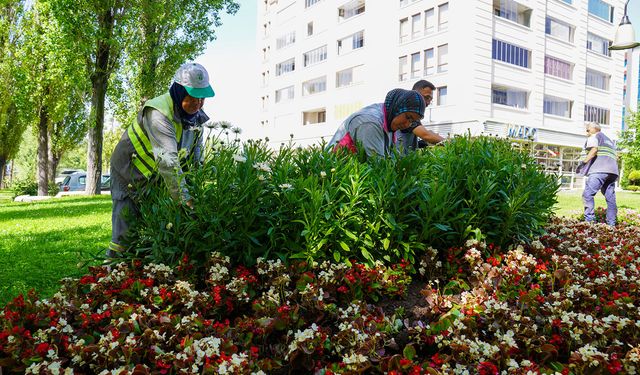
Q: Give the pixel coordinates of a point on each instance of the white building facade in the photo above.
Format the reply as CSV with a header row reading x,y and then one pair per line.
x,y
531,70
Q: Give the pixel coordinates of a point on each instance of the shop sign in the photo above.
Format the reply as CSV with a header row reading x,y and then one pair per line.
x,y
522,132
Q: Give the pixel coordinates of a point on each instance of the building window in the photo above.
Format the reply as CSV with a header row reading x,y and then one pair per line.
x,y
314,86
404,30
443,58
351,9
416,25
597,79
286,66
557,68
310,29
429,62
601,10
403,67
557,106
568,1
308,3
315,56
442,95
314,117
404,3
511,54
285,40
443,16
350,43
416,67
284,94
349,76
512,11
559,30
265,101
598,44
509,97
596,114
429,21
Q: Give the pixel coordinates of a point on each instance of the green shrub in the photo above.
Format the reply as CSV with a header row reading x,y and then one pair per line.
x,y
30,187
634,178
312,204
633,188
27,186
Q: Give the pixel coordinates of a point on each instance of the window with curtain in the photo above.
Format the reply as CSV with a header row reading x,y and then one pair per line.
x,y
429,62
402,68
429,21
557,106
597,79
598,44
416,25
443,16
416,67
509,97
404,30
557,68
559,29
443,58
442,95
596,114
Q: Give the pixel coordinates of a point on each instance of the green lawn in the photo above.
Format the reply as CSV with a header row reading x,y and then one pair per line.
x,y
42,242
5,195
570,202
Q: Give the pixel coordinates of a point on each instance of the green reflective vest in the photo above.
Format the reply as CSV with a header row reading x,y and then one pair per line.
x,y
143,159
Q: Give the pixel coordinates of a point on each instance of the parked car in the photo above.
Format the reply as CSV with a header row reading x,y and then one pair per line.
x,y
77,181
64,174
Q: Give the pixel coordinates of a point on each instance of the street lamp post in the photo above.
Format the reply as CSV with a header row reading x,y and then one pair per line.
x,y
625,35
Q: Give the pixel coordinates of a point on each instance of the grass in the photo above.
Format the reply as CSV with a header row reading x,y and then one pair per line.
x,y
43,242
570,202
5,195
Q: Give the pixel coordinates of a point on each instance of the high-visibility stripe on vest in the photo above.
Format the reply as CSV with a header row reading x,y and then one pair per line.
x,y
607,151
144,160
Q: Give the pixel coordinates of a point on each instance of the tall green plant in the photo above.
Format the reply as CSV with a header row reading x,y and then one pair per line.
x,y
312,204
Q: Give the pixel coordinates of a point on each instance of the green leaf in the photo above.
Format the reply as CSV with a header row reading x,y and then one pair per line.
x,y
336,256
409,352
344,246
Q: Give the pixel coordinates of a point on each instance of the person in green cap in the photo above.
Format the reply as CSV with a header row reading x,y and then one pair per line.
x,y
167,126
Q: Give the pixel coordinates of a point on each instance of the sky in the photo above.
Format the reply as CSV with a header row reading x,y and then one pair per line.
x,y
232,61
233,66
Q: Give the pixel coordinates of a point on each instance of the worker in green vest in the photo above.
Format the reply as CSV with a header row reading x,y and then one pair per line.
x,y
166,126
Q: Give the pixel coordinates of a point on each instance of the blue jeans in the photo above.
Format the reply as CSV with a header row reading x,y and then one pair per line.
x,y
606,183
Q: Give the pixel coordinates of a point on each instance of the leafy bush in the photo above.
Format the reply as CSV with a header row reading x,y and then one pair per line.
x,y
634,178
29,186
312,204
633,187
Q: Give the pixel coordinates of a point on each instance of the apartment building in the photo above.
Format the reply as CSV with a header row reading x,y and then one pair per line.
x,y
531,70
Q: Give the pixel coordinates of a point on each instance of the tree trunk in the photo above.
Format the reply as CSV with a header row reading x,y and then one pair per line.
x,y
3,166
54,160
43,152
52,171
99,82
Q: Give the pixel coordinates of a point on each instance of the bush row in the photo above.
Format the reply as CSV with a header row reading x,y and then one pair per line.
x,y
312,204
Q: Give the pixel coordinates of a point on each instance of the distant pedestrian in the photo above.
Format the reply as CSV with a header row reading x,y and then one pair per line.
x,y
601,169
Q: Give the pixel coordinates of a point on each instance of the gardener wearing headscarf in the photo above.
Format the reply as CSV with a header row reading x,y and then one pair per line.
x,y
374,127
167,126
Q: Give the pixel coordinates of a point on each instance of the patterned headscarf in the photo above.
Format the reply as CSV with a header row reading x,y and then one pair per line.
x,y
400,101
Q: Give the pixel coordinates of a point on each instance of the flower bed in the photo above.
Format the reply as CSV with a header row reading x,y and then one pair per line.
x,y
567,303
